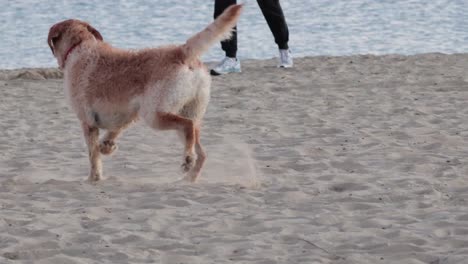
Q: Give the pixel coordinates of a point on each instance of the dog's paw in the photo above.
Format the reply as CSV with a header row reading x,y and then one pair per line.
x,y
192,176
188,164
106,147
94,178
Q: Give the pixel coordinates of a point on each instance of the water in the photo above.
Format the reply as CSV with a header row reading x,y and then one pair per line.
x,y
317,27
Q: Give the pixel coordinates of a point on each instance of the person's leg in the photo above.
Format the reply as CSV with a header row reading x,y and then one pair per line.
x,y
230,63
229,46
274,16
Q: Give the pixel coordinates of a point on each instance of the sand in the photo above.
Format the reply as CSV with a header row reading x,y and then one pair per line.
x,y
359,159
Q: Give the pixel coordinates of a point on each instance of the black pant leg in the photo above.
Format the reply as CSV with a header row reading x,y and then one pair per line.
x,y
274,16
229,46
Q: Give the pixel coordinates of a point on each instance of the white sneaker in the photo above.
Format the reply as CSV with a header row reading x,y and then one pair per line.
x,y
227,65
285,57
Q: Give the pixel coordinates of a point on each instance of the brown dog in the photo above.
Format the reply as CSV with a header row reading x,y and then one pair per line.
x,y
108,88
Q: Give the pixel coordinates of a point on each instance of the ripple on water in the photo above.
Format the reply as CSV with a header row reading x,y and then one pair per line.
x,y
334,28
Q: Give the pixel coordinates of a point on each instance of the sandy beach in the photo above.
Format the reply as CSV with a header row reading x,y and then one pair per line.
x,y
359,159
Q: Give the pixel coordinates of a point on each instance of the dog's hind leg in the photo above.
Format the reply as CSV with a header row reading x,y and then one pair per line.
x,y
91,135
195,110
185,126
201,157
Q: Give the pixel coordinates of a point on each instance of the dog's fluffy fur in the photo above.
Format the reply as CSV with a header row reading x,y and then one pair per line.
x,y
109,88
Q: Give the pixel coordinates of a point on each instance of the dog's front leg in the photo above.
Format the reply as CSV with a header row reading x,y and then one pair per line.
x,y
92,140
107,144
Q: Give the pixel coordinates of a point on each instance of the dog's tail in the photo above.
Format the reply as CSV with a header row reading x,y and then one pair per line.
x,y
219,30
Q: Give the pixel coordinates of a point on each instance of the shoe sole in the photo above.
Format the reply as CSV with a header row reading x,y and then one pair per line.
x,y
214,73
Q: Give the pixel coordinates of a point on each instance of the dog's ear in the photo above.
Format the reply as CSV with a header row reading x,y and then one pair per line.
x,y
53,37
51,45
96,33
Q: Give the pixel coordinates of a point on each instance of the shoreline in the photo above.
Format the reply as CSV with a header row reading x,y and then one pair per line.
x,y
45,73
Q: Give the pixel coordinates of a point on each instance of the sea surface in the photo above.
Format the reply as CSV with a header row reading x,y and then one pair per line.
x,y
317,27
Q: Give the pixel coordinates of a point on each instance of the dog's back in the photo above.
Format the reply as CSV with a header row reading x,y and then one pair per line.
x,y
119,75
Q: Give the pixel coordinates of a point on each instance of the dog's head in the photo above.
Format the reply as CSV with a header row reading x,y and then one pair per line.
x,y
67,35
